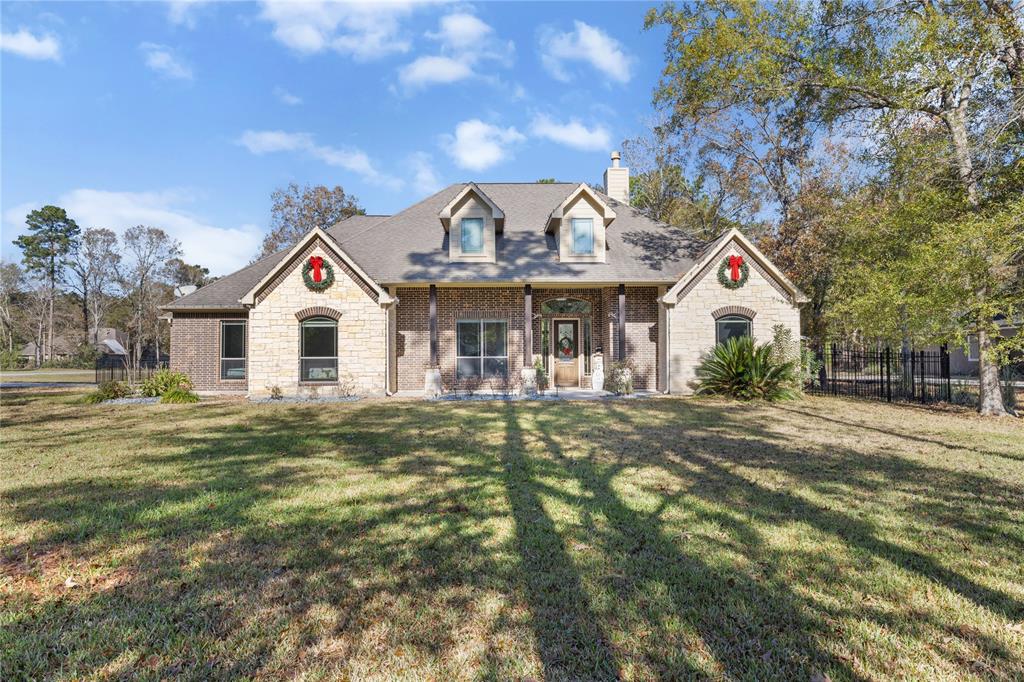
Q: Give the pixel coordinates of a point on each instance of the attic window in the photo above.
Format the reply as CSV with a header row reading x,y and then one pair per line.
x,y
472,235
582,236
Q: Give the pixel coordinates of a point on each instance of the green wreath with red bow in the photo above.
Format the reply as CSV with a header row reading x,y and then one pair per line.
x,y
733,272
317,273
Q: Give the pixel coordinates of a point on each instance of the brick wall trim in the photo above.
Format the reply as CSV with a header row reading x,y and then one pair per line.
x,y
743,311
317,311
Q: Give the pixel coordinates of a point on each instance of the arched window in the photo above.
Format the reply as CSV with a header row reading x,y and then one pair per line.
x,y
731,326
565,306
318,350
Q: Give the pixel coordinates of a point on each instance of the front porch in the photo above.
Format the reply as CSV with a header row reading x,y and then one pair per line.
x,y
456,338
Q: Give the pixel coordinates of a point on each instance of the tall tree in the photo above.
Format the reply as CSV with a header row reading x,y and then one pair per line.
x,y
688,187
94,273
954,64
144,275
52,237
297,210
12,285
184,274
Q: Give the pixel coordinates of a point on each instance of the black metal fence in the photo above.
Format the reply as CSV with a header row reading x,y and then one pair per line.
x,y
114,368
901,375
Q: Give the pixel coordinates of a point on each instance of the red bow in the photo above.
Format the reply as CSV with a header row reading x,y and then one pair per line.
x,y
317,262
734,267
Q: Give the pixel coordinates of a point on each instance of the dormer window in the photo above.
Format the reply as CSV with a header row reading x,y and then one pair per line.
x,y
472,235
582,236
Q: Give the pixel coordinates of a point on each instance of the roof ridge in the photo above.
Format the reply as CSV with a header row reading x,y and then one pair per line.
x,y
406,210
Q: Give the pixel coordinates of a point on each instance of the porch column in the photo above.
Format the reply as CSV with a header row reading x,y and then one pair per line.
x,y
433,325
528,326
621,331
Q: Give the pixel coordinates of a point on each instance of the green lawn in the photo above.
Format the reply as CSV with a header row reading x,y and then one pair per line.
x,y
635,539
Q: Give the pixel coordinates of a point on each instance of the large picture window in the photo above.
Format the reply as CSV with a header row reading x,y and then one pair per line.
x,y
582,236
318,359
472,235
481,348
731,326
232,349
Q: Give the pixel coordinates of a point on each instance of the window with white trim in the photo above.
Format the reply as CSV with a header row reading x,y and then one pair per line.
x,y
232,349
318,353
731,326
481,348
582,236
973,348
472,235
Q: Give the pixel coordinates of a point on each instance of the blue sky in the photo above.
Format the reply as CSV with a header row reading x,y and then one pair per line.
x,y
187,115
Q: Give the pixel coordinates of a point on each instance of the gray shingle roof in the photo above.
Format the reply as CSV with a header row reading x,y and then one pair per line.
x,y
412,247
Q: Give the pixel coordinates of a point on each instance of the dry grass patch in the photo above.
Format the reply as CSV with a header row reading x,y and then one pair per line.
x,y
661,538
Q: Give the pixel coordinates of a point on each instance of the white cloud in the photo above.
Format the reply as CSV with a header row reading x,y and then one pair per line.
x,y
465,41
269,141
25,44
120,210
462,31
362,30
572,134
286,97
478,146
162,60
425,180
431,70
181,12
588,44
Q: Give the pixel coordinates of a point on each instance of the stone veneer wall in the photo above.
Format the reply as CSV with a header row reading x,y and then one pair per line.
x,y
274,332
692,320
195,349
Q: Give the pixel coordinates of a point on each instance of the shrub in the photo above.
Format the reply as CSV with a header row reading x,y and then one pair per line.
x,y
618,378
108,390
165,380
542,376
178,395
276,393
9,359
743,370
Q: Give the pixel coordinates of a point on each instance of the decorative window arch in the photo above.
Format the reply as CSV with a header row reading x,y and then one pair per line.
x,y
566,306
740,310
318,311
318,349
731,326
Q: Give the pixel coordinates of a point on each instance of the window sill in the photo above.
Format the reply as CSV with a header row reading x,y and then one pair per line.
x,y
328,382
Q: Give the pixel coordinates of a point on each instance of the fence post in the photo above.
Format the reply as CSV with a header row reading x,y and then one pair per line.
x,y
944,369
888,374
835,388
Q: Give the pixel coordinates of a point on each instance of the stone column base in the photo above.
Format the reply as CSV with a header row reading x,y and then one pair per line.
x,y
529,377
432,383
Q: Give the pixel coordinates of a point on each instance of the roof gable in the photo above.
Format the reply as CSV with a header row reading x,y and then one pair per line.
x,y
583,190
472,188
715,249
249,298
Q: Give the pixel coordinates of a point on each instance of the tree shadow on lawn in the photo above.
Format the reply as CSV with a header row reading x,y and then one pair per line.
x,y
425,540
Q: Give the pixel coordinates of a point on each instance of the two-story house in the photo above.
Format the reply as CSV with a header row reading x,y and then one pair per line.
x,y
481,280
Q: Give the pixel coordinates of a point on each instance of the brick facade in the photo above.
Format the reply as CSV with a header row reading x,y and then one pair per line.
x,y
195,349
412,330
692,319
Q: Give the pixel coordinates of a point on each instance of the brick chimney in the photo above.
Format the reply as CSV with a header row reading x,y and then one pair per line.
x,y
616,181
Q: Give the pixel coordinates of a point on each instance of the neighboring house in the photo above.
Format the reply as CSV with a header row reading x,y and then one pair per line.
x,y
964,362
107,340
481,280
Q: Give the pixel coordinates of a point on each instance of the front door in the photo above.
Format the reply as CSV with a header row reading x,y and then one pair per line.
x,y
566,352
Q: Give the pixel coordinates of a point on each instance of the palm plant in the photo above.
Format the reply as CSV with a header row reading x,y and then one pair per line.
x,y
743,370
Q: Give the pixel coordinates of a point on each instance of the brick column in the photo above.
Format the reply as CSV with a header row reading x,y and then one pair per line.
x,y
528,326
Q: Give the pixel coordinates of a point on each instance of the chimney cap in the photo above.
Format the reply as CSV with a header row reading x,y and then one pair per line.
x,y
615,159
